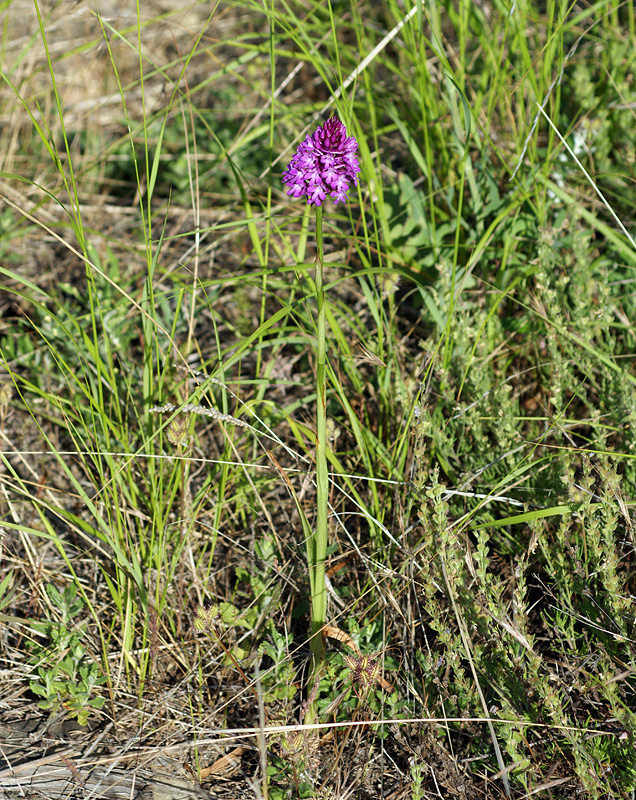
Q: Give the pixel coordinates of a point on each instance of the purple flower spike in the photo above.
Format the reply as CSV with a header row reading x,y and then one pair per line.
x,y
324,164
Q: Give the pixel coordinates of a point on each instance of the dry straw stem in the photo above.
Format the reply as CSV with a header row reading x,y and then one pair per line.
x,y
221,736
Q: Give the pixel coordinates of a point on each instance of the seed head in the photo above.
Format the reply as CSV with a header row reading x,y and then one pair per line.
x,y
324,164
206,616
365,672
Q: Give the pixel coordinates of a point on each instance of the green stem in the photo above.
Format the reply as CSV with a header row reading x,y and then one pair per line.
x,y
318,549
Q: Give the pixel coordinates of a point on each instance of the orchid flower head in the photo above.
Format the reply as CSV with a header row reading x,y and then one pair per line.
x,y
324,164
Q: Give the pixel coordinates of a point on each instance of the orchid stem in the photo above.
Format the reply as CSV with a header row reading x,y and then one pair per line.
x,y
318,546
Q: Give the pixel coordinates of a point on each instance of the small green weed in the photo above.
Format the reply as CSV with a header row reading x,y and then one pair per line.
x,y
221,621
66,675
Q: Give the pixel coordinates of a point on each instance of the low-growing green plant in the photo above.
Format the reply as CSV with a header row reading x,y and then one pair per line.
x,y
221,622
65,674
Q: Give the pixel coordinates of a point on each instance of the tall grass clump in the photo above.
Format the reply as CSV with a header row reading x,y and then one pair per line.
x,y
331,499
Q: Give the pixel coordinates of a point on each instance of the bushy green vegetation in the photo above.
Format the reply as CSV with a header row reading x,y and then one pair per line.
x,y
158,391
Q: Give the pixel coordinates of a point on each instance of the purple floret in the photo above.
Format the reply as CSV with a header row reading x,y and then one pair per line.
x,y
324,164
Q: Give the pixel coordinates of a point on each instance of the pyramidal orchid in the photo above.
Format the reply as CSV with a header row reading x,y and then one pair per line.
x,y
324,164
